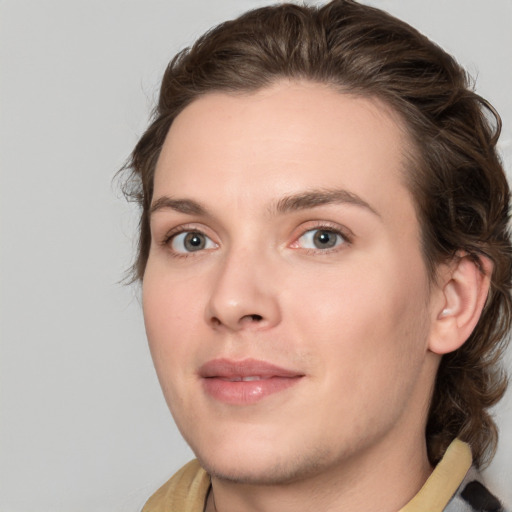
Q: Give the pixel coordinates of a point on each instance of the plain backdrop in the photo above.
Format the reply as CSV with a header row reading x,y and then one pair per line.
x,y
83,425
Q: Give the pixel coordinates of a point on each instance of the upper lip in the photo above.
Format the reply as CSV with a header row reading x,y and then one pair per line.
x,y
228,369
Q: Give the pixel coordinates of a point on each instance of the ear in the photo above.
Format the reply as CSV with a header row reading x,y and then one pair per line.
x,y
460,298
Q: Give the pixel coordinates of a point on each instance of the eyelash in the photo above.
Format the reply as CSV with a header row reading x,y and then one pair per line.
x,y
345,234
347,238
185,229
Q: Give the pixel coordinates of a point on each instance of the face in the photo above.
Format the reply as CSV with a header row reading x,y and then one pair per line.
x,y
285,297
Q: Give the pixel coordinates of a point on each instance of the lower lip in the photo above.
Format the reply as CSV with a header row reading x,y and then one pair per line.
x,y
246,392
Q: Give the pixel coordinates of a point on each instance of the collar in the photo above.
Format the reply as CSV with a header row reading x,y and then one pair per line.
x,y
444,481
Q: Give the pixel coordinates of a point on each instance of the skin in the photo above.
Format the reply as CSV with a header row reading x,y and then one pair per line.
x,y
356,320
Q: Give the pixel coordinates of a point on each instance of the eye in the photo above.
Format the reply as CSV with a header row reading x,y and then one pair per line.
x,y
191,241
321,238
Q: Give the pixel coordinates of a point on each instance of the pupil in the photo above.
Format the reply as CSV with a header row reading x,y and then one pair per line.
x,y
194,241
325,239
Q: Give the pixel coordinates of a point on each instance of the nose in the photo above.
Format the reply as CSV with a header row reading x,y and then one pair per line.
x,y
244,294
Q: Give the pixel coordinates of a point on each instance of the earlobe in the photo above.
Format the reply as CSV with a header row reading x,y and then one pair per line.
x,y
462,294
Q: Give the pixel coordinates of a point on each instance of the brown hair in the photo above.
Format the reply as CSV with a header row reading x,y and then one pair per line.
x,y
455,175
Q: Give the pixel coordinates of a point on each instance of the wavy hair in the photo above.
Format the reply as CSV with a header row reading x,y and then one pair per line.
x,y
454,172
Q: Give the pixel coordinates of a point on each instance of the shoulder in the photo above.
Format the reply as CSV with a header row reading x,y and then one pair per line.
x,y
185,492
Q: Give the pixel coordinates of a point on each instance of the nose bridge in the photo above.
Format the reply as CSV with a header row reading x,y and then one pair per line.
x,y
243,294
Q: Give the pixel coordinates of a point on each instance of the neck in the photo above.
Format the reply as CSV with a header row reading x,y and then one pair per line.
x,y
357,485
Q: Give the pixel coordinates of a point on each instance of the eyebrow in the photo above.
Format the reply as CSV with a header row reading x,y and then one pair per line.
x,y
287,204
187,206
321,197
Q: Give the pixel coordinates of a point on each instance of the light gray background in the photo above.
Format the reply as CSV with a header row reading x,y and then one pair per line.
x,y
83,424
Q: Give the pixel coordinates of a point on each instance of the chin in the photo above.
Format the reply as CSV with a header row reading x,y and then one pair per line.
x,y
263,467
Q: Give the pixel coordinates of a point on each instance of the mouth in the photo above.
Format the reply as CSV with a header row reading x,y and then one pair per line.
x,y
245,382
245,379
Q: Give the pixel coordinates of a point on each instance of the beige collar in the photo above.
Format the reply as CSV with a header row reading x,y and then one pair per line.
x,y
444,480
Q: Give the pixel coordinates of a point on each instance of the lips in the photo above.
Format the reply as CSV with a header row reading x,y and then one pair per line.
x,y
245,382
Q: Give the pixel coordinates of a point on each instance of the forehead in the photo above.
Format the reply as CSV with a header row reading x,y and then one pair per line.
x,y
250,148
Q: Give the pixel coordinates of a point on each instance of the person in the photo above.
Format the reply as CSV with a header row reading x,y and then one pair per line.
x,y
325,266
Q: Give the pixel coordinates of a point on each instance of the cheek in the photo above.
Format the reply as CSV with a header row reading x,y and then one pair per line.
x,y
172,316
369,337
370,315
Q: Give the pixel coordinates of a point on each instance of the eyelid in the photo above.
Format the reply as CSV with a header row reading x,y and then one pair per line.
x,y
343,231
170,235
184,228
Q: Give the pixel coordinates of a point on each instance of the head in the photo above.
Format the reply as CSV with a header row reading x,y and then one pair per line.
x,y
450,168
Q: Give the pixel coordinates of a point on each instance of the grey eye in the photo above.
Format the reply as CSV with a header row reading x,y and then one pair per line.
x,y
191,241
321,239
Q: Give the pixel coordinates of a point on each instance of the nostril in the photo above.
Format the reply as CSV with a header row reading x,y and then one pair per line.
x,y
216,321
251,318
246,318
